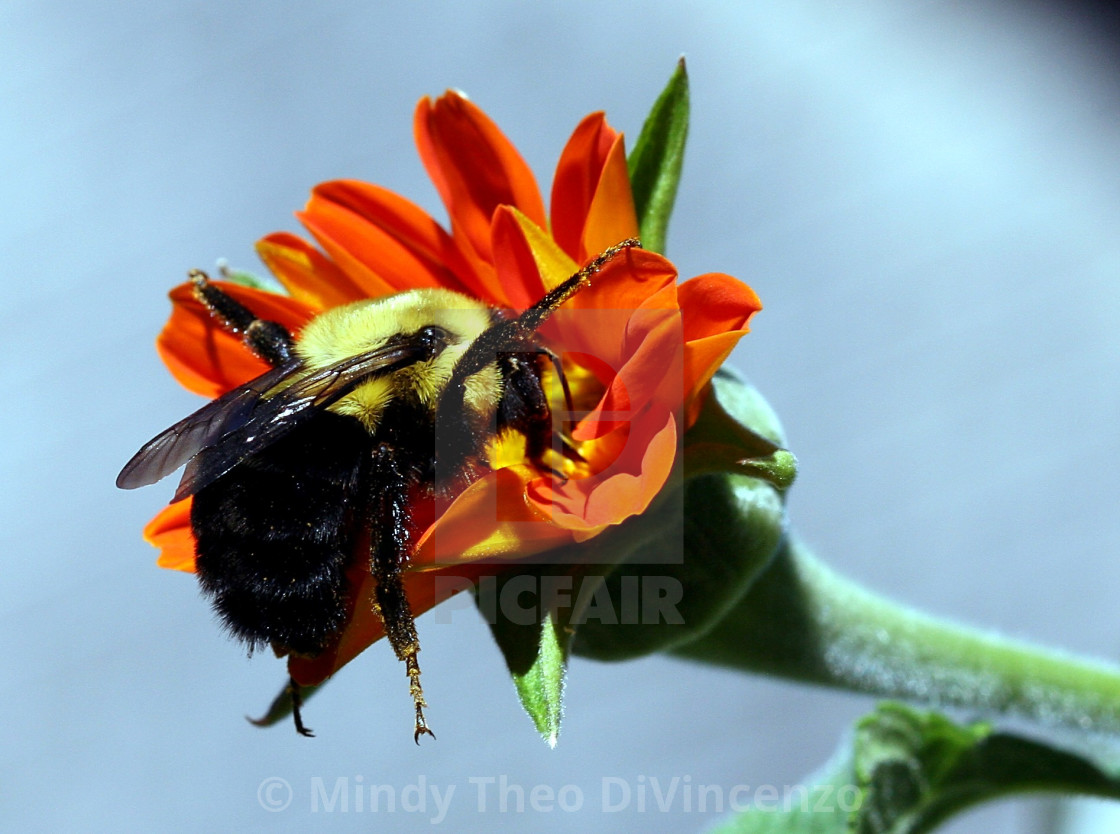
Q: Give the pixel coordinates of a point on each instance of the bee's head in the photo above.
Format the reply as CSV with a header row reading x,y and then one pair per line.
x,y
415,315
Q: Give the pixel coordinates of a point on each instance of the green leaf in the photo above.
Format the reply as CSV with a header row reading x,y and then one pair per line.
x,y
904,771
536,650
655,163
541,687
249,279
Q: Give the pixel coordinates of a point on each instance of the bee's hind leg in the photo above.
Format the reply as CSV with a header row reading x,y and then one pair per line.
x,y
269,340
390,543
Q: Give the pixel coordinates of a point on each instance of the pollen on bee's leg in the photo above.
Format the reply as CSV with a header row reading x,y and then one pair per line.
x,y
390,534
412,667
269,340
391,605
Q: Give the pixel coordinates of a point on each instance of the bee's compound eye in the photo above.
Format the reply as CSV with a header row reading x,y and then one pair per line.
x,y
434,338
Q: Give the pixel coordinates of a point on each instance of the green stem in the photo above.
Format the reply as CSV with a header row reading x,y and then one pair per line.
x,y
801,620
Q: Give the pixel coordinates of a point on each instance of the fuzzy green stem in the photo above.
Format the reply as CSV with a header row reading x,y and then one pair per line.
x,y
801,620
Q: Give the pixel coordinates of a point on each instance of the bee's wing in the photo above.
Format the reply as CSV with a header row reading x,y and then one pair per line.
x,y
169,450
273,417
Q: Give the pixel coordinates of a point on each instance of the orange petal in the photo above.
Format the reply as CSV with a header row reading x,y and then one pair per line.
x,y
384,235
409,224
387,210
337,231
308,275
611,217
517,277
474,167
702,358
625,488
607,324
652,371
715,303
577,176
209,360
170,531
716,309
489,520
553,264
627,282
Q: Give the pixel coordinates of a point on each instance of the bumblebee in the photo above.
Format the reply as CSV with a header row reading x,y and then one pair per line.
x,y
316,463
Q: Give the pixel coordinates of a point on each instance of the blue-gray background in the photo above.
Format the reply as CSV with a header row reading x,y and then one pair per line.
x,y
926,197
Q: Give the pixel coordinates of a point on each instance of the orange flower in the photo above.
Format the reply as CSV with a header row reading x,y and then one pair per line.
x,y
638,348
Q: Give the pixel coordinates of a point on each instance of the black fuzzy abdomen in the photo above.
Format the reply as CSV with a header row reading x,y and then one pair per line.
x,y
276,534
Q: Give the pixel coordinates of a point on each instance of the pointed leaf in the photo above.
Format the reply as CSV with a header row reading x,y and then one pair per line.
x,y
535,645
542,687
655,163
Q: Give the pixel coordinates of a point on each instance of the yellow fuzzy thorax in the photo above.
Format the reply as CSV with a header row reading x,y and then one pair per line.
x,y
353,329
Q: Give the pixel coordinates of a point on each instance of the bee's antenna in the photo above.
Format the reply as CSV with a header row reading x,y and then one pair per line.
x,y
534,317
501,337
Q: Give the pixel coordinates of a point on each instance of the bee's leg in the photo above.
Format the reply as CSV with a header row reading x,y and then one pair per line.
x,y
269,340
567,445
507,338
297,702
390,538
554,358
525,407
